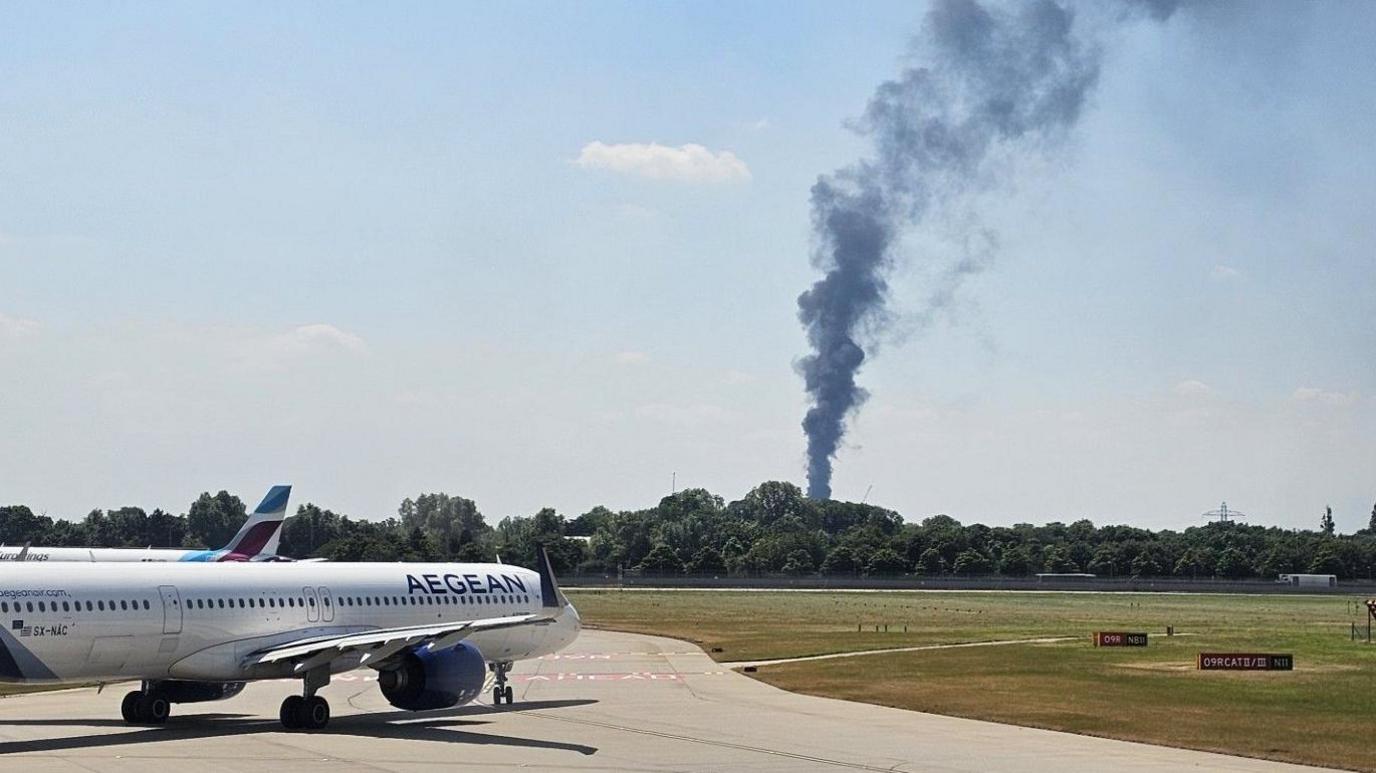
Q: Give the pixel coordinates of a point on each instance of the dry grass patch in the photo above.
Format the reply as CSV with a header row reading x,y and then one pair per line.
x,y
1320,713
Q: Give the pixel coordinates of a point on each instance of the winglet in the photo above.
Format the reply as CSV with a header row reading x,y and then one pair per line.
x,y
550,596
263,529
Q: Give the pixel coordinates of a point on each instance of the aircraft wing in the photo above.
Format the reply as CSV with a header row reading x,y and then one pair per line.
x,y
381,644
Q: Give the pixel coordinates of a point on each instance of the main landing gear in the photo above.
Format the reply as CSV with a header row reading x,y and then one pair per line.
x,y
145,707
307,711
501,691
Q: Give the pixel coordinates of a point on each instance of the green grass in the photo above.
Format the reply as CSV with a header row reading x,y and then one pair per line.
x,y
1321,713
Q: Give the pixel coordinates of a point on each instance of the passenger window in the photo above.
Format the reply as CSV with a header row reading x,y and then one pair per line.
x,y
41,608
4,606
124,605
101,604
89,607
312,602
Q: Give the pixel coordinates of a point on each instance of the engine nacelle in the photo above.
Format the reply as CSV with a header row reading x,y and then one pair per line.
x,y
428,679
181,691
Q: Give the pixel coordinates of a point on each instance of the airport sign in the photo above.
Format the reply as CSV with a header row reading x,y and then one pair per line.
x,y
1240,661
1119,639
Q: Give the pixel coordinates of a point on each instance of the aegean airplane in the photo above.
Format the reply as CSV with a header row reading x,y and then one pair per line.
x,y
256,541
192,633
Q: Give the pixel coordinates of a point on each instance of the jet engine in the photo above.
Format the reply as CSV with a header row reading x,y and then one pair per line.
x,y
179,691
427,678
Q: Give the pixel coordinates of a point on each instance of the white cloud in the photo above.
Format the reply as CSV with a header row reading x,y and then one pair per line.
x,y
632,358
1316,395
17,327
316,337
759,125
686,163
1192,388
1222,273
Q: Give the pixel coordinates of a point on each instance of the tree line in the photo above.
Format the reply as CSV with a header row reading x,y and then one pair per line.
x,y
772,530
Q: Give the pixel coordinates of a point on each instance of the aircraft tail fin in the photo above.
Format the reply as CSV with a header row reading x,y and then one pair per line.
x,y
263,529
550,595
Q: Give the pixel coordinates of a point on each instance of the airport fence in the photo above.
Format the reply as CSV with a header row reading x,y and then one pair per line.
x,y
1101,584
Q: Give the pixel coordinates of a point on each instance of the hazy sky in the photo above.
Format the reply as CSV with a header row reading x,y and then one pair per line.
x,y
549,255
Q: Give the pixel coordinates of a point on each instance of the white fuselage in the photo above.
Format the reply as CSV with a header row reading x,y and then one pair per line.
x,y
106,622
117,555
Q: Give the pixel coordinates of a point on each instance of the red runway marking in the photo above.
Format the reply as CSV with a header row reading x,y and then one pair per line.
x,y
643,676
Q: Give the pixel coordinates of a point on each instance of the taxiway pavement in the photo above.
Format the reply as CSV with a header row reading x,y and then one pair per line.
x,y
612,702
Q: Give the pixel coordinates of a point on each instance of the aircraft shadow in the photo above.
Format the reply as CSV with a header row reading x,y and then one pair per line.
x,y
438,727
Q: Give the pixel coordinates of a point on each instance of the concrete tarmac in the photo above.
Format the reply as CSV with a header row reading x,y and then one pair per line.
x,y
612,702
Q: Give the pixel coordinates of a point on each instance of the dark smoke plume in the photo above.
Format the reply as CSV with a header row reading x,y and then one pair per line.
x,y
998,82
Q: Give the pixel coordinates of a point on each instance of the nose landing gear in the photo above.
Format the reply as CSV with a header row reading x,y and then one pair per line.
x,y
501,691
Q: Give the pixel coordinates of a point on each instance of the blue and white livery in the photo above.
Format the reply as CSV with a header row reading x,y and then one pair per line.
x,y
192,634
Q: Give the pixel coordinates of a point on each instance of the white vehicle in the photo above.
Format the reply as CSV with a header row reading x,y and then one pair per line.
x,y
197,633
1309,580
256,541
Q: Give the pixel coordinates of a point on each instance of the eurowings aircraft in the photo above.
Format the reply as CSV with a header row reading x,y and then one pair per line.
x,y
192,634
256,541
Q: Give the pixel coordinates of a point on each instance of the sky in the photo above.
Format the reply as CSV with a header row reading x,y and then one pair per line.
x,y
549,255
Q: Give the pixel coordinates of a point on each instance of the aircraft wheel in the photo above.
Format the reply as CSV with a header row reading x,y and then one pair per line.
x,y
507,694
152,709
497,695
315,713
291,712
129,707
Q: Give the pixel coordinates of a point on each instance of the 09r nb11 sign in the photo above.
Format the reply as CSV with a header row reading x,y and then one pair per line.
x,y
1119,639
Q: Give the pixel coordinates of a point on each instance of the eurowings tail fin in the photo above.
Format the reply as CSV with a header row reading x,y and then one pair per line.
x,y
263,529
